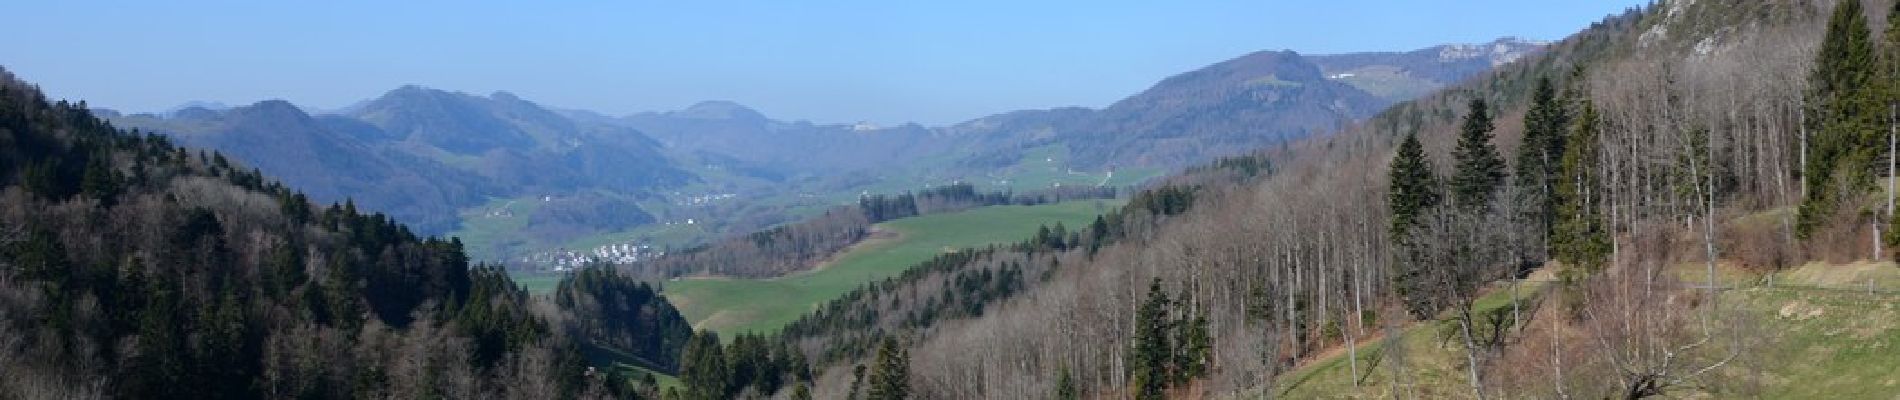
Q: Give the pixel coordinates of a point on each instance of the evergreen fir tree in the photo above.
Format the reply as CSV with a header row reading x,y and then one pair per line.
x,y
1581,237
1891,82
100,181
1065,386
1413,192
1153,353
1538,156
703,368
1479,170
891,380
1196,345
1847,110
1414,186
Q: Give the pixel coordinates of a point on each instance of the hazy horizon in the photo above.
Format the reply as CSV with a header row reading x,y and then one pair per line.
x,y
835,62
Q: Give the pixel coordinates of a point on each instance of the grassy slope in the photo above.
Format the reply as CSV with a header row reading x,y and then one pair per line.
x,y
1838,340
748,305
1436,366
538,283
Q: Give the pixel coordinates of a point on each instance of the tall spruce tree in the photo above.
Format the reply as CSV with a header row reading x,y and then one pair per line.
x,y
703,368
1582,237
1413,192
1479,171
1414,186
1153,352
1846,110
1891,82
1539,156
891,379
1194,344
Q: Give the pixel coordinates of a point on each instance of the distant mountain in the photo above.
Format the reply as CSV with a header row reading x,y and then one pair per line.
x,y
198,104
333,158
426,155
423,154
517,143
1232,106
734,130
1236,105
1400,76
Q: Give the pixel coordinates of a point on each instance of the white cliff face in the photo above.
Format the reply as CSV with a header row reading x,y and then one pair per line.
x,y
1499,52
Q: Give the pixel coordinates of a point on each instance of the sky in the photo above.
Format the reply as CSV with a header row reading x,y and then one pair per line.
x,y
887,62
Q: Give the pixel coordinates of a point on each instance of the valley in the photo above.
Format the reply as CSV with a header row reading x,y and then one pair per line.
x,y
533,186
1672,199
734,305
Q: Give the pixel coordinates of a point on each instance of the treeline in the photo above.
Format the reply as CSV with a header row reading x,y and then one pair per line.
x,y
628,315
801,245
1276,256
963,196
130,267
965,283
752,366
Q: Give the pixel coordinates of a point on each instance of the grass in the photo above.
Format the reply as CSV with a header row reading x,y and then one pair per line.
x,y
1047,166
1435,366
486,230
1821,336
537,282
664,381
764,305
1825,344
608,358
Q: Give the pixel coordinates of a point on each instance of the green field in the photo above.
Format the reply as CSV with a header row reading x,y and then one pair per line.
x,y
537,283
487,230
764,305
1047,166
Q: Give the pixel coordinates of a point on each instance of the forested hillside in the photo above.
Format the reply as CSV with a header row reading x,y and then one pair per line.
x,y
133,268
1620,179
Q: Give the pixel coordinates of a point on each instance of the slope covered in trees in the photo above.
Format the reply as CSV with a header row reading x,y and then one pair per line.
x,y
1646,154
130,267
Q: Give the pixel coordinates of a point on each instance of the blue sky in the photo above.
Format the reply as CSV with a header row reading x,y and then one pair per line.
x,y
827,61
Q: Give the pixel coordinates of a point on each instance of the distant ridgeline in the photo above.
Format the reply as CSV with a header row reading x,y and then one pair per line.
x,y
133,268
799,246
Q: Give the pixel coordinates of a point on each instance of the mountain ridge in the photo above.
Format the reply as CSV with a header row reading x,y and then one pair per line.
x,y
473,148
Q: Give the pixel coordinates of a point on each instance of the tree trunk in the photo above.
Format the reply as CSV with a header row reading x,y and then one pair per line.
x,y
1471,352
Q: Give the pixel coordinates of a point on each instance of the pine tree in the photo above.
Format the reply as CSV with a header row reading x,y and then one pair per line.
x,y
1153,353
1581,237
1480,171
1414,186
1195,346
1846,110
891,380
857,382
99,180
703,368
1413,192
1065,386
1538,156
1891,81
